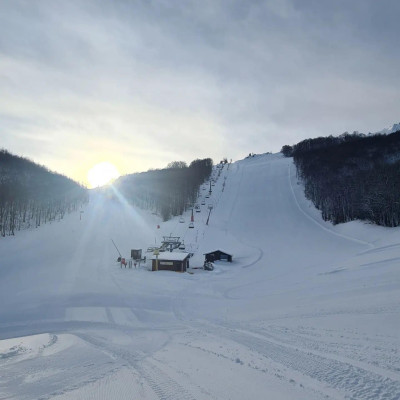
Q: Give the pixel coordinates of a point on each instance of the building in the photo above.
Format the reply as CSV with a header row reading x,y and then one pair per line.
x,y
218,255
170,261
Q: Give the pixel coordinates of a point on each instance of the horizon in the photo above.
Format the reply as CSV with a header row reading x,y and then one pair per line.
x,y
140,85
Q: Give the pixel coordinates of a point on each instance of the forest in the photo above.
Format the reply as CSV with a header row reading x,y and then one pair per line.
x,y
167,192
31,195
352,176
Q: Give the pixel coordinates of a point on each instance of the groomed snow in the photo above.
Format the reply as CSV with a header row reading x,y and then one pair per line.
x,y
306,310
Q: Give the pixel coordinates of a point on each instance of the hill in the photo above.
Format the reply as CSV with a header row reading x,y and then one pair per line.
x,y
167,192
31,195
351,176
305,310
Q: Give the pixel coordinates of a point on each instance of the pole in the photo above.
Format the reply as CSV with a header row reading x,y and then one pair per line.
x,y
116,248
208,216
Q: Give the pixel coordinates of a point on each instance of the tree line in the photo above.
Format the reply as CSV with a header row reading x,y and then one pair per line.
x,y
352,176
169,191
31,195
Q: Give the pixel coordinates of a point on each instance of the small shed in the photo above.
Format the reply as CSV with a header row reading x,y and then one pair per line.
x,y
136,254
171,261
217,255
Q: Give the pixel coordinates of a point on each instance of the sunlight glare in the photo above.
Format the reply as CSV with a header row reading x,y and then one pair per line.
x,y
101,174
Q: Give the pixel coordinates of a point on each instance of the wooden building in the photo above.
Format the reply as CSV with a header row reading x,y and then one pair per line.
x,y
170,261
218,255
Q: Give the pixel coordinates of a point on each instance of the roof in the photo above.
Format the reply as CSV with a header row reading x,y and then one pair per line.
x,y
221,251
171,256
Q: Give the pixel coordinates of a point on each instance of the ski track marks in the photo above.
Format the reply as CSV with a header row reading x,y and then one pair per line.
x,y
353,381
162,384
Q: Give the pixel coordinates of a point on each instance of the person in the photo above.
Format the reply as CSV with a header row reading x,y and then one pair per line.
x,y
123,262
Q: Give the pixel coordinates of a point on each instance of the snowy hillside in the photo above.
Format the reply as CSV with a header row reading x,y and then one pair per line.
x,y
305,311
394,128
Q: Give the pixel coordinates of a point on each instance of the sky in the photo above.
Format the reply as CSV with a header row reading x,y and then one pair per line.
x,y
142,83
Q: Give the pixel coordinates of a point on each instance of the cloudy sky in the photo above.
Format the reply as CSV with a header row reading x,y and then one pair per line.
x,y
144,83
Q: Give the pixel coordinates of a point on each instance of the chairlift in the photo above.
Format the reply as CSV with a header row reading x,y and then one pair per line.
x,y
191,225
207,196
203,203
181,220
182,246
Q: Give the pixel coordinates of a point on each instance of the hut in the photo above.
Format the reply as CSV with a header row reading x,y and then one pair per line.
x,y
217,255
171,261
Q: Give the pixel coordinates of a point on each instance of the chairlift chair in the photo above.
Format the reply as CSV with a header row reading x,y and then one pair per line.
x,y
181,220
191,225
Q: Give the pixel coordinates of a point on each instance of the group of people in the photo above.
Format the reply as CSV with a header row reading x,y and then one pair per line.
x,y
129,263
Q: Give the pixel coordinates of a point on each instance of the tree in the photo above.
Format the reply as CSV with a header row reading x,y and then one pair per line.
x,y
287,150
177,164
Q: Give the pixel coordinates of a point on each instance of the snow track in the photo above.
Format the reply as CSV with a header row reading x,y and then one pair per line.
x,y
356,382
160,382
347,377
164,387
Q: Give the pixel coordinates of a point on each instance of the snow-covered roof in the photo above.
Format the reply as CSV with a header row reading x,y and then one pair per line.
x,y
213,251
175,256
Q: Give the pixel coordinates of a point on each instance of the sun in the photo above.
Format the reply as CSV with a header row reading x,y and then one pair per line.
x,y
101,174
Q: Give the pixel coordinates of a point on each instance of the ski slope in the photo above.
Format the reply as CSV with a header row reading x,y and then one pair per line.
x,y
306,310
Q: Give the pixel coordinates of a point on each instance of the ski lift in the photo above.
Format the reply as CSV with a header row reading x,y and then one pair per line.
x,y
207,196
182,246
181,220
203,203
191,225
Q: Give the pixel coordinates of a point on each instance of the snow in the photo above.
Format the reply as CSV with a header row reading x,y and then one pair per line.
x,y
306,310
394,128
174,255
